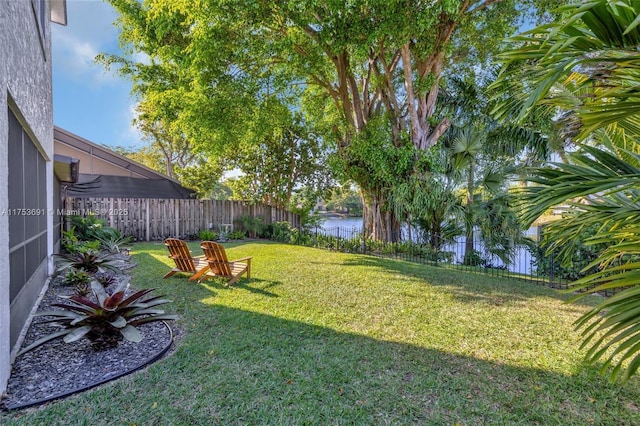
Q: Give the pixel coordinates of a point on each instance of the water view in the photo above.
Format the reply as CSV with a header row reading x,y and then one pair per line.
x,y
348,227
342,222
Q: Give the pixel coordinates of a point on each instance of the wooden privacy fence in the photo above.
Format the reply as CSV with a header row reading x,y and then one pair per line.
x,y
149,219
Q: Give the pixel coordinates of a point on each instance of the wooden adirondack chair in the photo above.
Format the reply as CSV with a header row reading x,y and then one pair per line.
x,y
220,266
185,262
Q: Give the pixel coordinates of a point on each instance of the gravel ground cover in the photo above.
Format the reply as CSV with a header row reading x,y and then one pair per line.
x,y
56,369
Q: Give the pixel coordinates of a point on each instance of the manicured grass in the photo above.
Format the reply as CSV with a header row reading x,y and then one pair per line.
x,y
319,337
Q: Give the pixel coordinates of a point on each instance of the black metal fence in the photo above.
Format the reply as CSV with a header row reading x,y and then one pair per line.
x,y
527,262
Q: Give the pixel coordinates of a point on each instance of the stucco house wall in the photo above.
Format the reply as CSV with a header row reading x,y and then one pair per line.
x,y
26,93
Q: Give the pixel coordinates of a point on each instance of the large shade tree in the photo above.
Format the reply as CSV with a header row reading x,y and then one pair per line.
x,y
587,67
370,70
282,163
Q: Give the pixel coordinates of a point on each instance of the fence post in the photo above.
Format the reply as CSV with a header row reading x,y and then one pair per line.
x,y
176,211
147,221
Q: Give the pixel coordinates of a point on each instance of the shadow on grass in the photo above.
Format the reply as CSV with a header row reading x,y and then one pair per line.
x,y
151,269
234,366
240,367
468,286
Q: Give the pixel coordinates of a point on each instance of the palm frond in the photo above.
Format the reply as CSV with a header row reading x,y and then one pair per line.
x,y
594,50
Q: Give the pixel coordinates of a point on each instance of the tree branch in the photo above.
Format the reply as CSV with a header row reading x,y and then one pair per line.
x,y
442,127
416,130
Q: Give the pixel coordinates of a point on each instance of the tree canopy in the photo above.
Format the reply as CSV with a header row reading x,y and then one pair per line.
x,y
360,71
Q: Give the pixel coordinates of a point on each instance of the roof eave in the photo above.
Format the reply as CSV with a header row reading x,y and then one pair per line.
x,y
59,12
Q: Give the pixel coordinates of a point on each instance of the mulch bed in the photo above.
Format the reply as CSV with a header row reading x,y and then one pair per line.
x,y
57,369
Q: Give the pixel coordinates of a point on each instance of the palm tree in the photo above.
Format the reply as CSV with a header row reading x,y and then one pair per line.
x,y
483,177
467,147
587,68
592,54
482,156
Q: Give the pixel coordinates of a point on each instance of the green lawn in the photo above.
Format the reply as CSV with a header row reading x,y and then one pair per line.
x,y
318,337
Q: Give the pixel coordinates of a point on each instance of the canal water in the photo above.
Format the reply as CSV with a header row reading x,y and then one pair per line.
x,y
522,262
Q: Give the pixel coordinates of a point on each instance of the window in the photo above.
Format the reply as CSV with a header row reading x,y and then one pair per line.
x,y
27,207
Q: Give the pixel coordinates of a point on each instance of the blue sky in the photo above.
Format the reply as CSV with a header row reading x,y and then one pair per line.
x,y
88,100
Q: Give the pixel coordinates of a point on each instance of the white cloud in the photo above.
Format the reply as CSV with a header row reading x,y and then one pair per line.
x,y
76,58
89,32
130,135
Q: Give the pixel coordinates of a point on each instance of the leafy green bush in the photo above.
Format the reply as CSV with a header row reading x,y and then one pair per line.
x,y
72,244
70,241
253,226
236,235
90,233
280,231
570,269
331,242
473,258
207,235
106,318
87,246
92,228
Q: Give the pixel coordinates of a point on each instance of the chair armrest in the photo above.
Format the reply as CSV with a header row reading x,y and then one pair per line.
x,y
242,259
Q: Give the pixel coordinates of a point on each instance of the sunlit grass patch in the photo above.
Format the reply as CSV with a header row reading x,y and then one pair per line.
x,y
319,337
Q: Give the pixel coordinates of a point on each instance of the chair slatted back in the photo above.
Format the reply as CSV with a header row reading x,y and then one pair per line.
x,y
180,253
217,258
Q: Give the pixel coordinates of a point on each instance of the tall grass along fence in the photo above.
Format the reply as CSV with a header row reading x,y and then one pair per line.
x,y
151,219
527,262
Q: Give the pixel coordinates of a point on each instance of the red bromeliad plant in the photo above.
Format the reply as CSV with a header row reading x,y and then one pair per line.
x,y
105,320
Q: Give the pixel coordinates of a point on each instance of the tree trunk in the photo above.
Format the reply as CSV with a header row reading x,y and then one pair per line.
x,y
468,244
379,223
468,247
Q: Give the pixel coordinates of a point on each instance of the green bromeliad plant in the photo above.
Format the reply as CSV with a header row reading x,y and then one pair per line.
x,y
105,319
78,279
90,261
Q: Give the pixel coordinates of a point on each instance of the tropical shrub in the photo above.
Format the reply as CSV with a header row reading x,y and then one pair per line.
x,y
91,227
104,319
87,246
236,235
105,278
585,67
70,241
253,226
279,231
207,235
551,260
72,244
114,242
473,258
